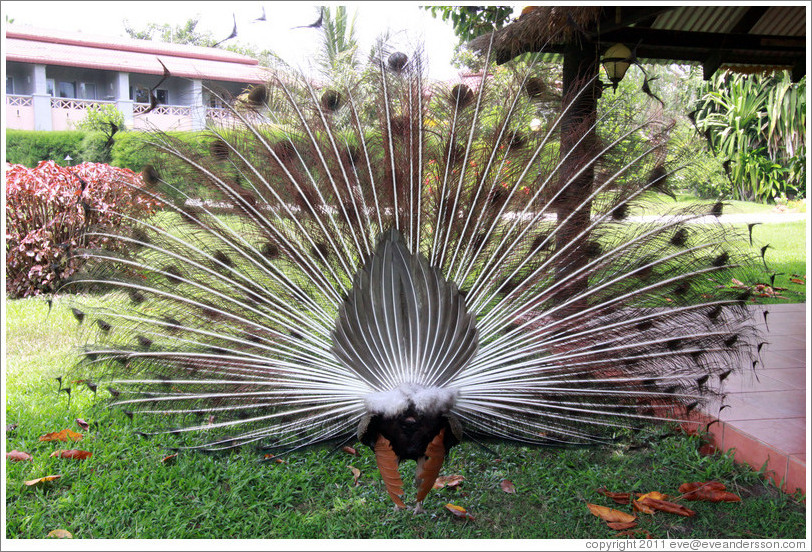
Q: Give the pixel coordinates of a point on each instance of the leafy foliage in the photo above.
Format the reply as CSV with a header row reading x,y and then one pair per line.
x,y
339,50
757,124
29,147
471,21
47,211
100,119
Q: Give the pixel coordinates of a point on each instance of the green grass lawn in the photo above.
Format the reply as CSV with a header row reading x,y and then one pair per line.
x,y
124,491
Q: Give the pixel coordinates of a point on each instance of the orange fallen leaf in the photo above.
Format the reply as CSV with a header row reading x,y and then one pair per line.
x,y
60,534
18,456
46,479
507,486
637,506
619,498
73,453
449,481
618,526
350,450
83,424
169,460
712,485
653,494
610,514
665,506
356,473
459,511
275,459
797,281
64,435
711,495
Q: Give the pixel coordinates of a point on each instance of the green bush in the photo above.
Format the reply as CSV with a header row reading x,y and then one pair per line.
x,y
29,147
94,148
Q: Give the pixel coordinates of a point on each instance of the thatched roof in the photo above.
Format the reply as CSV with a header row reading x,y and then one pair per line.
x,y
542,27
744,38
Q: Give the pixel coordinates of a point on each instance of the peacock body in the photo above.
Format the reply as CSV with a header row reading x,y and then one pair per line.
x,y
410,266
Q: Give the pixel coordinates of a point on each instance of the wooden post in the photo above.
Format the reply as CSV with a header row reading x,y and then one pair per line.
x,y
580,66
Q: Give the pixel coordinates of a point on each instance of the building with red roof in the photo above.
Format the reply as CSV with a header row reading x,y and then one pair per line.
x,y
53,77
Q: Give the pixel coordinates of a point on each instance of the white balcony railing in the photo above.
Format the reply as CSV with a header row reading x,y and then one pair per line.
x,y
77,104
14,100
173,110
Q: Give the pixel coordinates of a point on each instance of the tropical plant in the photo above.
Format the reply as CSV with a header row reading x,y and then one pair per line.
x,y
757,124
339,44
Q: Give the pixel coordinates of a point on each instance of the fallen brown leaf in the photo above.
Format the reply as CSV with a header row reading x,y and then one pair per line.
x,y
274,458
712,485
449,481
507,486
665,506
610,514
41,480
350,450
618,526
83,424
60,534
169,460
653,494
356,473
73,453
637,506
459,511
18,456
64,435
711,495
619,498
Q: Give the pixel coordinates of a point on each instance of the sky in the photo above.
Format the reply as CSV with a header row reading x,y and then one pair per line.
x,y
406,22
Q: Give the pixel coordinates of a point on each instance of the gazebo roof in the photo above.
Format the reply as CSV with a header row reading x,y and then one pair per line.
x,y
742,38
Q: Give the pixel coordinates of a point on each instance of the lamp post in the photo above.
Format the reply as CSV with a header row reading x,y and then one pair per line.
x,y
68,158
615,62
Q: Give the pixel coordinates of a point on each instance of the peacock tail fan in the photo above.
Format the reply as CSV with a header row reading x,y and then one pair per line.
x,y
379,246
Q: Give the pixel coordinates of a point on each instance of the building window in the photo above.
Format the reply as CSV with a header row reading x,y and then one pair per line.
x,y
49,87
87,90
9,85
162,96
67,89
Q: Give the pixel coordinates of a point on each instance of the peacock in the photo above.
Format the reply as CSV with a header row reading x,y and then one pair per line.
x,y
411,265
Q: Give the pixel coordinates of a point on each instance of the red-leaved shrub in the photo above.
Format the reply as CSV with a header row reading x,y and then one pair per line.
x,y
49,209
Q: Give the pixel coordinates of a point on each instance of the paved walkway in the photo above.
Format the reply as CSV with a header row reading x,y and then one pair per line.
x,y
766,418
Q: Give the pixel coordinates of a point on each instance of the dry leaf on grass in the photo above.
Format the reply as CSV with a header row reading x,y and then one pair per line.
x,y
83,424
169,460
350,450
64,435
60,534
712,485
665,506
449,481
619,498
459,511
610,514
356,473
18,456
42,480
73,454
507,486
621,526
274,458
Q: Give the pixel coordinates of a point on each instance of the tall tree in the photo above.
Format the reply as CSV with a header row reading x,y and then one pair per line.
x,y
339,51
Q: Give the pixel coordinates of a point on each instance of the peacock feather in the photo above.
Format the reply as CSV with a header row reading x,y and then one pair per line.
x,y
409,264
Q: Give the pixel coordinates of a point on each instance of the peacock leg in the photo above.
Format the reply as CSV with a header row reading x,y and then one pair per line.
x,y
428,468
387,462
